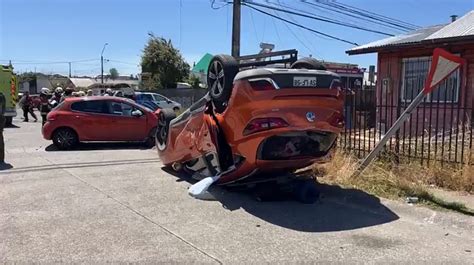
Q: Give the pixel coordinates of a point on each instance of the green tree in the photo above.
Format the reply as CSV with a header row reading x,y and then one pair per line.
x,y
194,81
113,73
163,63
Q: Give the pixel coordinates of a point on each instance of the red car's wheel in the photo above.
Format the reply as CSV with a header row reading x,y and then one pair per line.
x,y
220,77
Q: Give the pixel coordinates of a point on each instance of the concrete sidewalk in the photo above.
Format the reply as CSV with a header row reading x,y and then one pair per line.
x,y
113,203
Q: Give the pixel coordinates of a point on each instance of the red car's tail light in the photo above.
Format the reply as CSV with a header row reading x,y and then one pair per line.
x,y
337,120
263,124
261,85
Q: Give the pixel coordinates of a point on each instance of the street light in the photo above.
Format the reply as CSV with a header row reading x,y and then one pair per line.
x,y
102,63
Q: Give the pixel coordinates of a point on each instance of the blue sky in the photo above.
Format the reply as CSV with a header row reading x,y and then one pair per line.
x,y
36,31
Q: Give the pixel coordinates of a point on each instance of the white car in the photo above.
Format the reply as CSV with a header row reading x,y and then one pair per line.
x,y
162,101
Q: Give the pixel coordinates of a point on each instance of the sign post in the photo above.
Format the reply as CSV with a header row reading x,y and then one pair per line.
x,y
442,65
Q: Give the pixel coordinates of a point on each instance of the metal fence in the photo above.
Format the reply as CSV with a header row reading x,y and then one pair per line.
x,y
439,130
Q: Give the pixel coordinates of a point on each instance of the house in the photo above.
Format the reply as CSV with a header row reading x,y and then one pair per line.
x,y
200,69
402,67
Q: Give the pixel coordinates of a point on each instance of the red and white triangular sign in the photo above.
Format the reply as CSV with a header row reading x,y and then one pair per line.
x,y
443,64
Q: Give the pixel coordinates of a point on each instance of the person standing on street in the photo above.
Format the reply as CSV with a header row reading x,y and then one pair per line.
x,y
44,105
27,106
56,98
2,125
67,93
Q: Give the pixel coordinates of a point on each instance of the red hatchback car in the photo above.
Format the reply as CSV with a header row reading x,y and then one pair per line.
x,y
99,119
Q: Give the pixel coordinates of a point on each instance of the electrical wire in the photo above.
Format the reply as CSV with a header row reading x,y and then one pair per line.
x,y
294,35
52,62
359,15
213,2
301,26
316,18
345,16
335,3
253,24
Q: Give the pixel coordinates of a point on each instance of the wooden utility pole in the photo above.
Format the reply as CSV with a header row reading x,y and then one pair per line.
x,y
69,69
236,28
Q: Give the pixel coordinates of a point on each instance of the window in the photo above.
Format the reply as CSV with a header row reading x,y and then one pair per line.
x,y
122,109
414,73
91,106
159,98
145,97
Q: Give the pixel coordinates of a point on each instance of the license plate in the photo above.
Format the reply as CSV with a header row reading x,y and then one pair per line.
x,y
304,81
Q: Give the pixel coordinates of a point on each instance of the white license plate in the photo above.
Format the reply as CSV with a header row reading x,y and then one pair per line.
x,y
304,81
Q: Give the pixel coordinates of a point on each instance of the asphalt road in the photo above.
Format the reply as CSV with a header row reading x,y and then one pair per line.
x,y
113,203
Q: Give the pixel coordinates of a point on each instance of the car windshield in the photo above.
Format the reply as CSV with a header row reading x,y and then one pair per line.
x,y
159,98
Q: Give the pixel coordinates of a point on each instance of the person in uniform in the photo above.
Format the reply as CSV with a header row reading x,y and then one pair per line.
x,y
45,106
2,125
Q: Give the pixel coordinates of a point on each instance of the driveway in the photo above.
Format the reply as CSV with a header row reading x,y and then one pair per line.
x,y
113,203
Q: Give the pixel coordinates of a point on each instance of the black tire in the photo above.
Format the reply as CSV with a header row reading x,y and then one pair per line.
x,y
308,63
164,119
65,138
306,191
220,77
150,140
8,121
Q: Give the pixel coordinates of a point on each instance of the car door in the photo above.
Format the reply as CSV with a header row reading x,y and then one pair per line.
x,y
124,125
91,119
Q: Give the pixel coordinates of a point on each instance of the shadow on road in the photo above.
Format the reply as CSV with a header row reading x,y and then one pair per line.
x,y
100,146
13,126
338,209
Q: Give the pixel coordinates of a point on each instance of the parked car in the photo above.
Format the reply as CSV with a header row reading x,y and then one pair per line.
x,y
162,101
254,120
99,119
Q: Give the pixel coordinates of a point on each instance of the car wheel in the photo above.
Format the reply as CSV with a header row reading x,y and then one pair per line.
x,y
65,138
164,119
220,77
150,140
308,63
8,121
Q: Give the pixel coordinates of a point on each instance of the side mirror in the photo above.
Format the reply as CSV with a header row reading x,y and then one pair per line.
x,y
169,101
137,113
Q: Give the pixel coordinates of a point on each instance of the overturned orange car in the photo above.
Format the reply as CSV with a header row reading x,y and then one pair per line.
x,y
254,120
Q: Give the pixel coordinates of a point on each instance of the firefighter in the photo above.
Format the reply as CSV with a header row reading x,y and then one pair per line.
x,y
2,124
27,106
45,106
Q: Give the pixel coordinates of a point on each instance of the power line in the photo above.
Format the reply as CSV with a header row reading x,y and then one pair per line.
x,y
253,24
213,2
376,19
301,26
344,13
373,13
122,62
51,62
317,18
296,36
